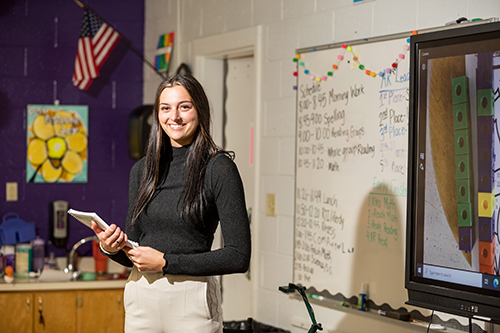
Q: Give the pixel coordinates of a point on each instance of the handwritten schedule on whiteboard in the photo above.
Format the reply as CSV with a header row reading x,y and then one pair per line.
x,y
351,155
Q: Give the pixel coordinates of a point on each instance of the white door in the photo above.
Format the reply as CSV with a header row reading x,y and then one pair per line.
x,y
238,137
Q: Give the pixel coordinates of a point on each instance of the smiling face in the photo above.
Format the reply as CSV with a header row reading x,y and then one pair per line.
x,y
177,115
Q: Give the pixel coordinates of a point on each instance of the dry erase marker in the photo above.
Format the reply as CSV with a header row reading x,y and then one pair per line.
x,y
344,304
362,297
318,297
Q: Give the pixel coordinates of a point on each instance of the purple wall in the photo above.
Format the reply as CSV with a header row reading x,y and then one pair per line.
x,y
38,41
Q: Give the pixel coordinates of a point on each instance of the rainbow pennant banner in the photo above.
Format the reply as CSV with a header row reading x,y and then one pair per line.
x,y
163,51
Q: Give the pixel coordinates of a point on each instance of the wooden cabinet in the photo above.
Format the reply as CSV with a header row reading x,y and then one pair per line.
x,y
16,312
54,311
79,311
100,311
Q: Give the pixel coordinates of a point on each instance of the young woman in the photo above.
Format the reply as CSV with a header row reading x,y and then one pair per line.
x,y
178,193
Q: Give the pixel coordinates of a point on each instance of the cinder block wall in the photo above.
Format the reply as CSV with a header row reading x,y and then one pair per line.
x,y
38,44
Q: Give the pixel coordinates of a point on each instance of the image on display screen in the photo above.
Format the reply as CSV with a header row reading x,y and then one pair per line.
x,y
461,131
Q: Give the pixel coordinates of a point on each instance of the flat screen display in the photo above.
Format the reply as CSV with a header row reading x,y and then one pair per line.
x,y
453,246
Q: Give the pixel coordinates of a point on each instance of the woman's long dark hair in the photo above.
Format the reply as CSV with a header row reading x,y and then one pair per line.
x,y
158,152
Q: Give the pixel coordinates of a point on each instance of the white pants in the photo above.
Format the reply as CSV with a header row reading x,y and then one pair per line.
x,y
172,303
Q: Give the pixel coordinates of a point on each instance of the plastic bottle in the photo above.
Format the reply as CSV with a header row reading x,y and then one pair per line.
x,y
38,254
362,297
9,251
24,253
101,261
51,262
3,263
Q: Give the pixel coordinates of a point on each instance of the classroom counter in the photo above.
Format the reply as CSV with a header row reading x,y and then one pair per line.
x,y
57,280
27,284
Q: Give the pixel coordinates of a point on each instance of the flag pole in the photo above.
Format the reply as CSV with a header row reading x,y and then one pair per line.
x,y
124,39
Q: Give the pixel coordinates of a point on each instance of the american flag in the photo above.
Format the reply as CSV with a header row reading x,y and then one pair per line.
x,y
97,40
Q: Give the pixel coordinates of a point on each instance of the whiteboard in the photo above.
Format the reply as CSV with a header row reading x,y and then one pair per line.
x,y
351,170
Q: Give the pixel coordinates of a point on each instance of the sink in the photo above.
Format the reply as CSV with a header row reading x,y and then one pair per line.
x,y
51,275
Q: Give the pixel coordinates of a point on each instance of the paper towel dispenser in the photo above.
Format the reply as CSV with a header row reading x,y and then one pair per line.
x,y
139,124
59,223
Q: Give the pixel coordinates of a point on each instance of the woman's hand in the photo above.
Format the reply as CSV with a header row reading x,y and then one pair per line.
x,y
146,259
112,239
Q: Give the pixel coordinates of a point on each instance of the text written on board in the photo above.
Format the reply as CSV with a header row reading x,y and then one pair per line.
x,y
351,147
382,225
398,78
394,187
311,95
319,230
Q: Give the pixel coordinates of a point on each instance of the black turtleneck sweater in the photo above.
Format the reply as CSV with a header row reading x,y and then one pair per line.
x,y
186,245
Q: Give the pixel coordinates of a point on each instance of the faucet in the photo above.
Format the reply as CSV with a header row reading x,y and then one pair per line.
x,y
71,260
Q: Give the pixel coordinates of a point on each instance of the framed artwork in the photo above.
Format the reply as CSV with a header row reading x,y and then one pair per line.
x,y
57,143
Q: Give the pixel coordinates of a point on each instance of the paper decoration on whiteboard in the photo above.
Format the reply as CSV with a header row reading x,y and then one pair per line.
x,y
355,63
164,51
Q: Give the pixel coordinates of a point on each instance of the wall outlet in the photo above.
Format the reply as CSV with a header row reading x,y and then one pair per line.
x,y
270,204
11,191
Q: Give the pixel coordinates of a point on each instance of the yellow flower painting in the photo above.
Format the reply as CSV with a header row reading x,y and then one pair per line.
x,y
57,144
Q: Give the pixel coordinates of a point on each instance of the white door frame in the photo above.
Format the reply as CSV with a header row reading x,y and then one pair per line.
x,y
206,56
